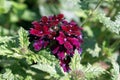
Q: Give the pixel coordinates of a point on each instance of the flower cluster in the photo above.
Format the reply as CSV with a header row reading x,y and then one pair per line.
x,y
61,36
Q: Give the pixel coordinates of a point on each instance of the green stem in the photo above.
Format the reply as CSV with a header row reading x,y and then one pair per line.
x,y
116,43
91,12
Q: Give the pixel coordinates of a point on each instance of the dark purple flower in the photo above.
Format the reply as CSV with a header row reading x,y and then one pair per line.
x,y
65,64
40,44
74,41
61,55
60,16
79,50
63,40
71,29
44,19
61,36
37,46
39,30
55,49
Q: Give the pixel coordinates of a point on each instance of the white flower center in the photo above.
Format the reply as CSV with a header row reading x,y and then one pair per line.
x,y
70,30
80,36
54,38
70,25
65,39
41,32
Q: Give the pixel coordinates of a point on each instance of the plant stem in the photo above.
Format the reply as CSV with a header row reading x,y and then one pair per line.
x,y
116,43
91,12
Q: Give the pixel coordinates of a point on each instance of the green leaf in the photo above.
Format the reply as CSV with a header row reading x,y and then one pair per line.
x,y
115,71
8,75
94,52
5,6
23,38
75,62
113,26
45,67
5,39
87,72
93,71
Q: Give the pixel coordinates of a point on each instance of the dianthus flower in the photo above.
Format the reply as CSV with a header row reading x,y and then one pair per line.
x,y
61,36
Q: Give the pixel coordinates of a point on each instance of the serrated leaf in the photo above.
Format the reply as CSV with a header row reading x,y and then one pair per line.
x,y
89,71
94,52
75,62
93,71
23,38
45,67
113,26
115,71
5,39
4,50
8,75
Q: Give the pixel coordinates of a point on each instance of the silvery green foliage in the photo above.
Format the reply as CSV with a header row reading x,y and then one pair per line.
x,y
16,55
23,38
88,72
115,71
113,26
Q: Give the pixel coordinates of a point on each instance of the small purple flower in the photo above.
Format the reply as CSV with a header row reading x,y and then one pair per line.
x,y
61,55
75,42
79,50
71,29
63,40
40,44
65,64
37,46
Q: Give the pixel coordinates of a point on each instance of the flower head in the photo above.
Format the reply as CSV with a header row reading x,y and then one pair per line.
x,y
61,36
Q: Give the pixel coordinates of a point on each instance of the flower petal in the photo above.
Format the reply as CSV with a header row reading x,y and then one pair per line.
x,y
60,16
34,31
36,25
79,50
68,45
37,46
66,68
46,30
55,50
75,42
60,38
44,19
45,43
61,55
65,28
70,52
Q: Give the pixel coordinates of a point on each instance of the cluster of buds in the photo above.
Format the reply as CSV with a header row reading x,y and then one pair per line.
x,y
61,36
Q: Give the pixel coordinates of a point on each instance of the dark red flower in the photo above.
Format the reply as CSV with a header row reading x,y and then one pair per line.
x,y
71,30
65,64
61,36
40,44
61,55
39,30
60,16
74,41
63,40
44,19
